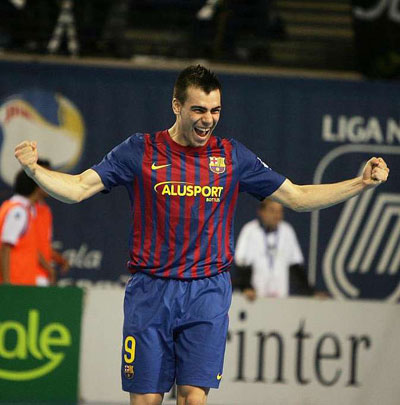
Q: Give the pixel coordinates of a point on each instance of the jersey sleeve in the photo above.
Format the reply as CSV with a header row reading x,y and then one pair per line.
x,y
255,176
121,164
14,226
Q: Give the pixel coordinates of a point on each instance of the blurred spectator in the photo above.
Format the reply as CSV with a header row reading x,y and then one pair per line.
x,y
268,258
377,38
48,257
39,17
112,40
205,29
10,12
228,21
18,239
91,17
26,24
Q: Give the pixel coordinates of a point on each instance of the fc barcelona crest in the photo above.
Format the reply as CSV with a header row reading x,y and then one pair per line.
x,y
129,371
217,164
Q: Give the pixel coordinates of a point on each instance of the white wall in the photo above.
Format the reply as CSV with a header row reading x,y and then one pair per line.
x,y
351,345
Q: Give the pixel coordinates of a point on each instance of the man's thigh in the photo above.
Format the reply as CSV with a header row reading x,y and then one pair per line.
x,y
200,338
174,329
148,357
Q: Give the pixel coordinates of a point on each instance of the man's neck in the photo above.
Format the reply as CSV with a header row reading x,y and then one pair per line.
x,y
268,228
174,133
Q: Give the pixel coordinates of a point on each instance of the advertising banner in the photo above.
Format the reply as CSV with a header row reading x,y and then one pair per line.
x,y
293,351
300,351
39,343
310,130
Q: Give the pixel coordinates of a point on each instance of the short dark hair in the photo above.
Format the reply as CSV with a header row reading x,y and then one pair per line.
x,y
195,76
24,185
264,203
45,163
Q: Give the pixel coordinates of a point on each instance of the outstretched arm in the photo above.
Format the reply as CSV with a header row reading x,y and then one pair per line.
x,y
64,187
317,196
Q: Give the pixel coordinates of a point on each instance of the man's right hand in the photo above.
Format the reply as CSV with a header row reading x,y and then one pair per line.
x,y
27,155
250,294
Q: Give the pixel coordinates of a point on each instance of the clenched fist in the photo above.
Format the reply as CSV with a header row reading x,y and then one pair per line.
x,y
375,172
27,155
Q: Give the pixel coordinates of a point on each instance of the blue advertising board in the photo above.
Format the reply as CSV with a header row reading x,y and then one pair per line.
x,y
310,130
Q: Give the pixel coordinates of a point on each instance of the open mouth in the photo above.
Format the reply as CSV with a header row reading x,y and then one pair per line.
x,y
202,132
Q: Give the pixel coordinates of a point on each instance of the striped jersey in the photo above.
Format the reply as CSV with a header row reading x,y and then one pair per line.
x,y
183,200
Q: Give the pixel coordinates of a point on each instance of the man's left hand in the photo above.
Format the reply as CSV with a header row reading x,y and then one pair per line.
x,y
375,172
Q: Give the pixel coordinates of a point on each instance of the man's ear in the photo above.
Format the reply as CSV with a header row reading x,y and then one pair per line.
x,y
176,106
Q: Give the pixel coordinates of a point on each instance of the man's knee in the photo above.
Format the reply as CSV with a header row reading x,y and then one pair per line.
x,y
196,400
188,395
146,399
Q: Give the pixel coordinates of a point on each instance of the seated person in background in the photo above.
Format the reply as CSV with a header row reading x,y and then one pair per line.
x,y
268,258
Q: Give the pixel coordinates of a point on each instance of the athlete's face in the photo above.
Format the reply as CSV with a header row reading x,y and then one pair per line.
x,y
197,117
271,214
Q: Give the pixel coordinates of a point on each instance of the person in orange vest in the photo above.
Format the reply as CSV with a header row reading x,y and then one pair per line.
x,y
19,258
44,228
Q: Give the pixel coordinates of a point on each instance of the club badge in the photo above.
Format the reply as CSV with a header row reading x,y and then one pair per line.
x,y
217,164
129,371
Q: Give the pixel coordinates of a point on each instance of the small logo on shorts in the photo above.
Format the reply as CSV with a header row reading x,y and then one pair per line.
x,y
129,372
219,376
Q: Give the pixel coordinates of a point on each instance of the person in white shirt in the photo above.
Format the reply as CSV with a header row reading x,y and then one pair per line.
x,y
268,247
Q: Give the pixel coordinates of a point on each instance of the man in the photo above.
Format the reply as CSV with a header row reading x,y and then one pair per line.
x,y
268,255
19,258
183,184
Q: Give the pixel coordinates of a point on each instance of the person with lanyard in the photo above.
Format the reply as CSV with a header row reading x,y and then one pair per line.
x,y
268,257
183,183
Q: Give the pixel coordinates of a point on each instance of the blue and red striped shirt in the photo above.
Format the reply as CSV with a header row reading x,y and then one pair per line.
x,y
183,200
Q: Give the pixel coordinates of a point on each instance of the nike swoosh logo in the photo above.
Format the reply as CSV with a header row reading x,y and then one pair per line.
x,y
219,376
155,167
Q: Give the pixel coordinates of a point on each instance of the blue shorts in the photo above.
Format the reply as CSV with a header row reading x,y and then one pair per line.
x,y
174,331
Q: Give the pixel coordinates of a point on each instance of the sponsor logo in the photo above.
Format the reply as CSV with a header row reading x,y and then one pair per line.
x,y
129,371
155,167
183,189
50,119
219,376
19,343
358,129
288,361
217,164
357,248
